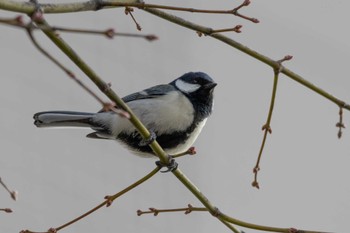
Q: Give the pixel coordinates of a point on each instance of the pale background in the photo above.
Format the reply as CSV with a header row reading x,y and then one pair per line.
x,y
304,178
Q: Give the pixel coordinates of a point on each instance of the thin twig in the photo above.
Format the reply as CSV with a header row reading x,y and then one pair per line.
x,y
128,11
267,129
107,202
267,126
340,124
236,13
189,209
231,227
236,29
229,219
186,211
105,105
268,61
190,151
184,9
95,5
13,194
109,33
21,7
6,210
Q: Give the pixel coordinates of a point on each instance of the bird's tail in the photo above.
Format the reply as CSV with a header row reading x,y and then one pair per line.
x,y
63,119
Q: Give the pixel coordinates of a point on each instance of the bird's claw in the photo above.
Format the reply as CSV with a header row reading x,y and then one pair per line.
x,y
149,140
171,166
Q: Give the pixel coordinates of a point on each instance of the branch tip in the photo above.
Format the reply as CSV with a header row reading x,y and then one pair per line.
x,y
245,3
6,210
236,13
14,195
255,184
128,11
192,151
151,37
286,58
139,212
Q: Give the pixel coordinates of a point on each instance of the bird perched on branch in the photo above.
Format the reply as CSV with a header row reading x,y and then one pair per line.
x,y
175,113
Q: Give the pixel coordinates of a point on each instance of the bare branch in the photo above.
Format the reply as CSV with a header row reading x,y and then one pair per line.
x,y
268,61
340,124
109,33
105,105
13,193
155,211
95,5
267,126
6,210
107,202
128,11
190,151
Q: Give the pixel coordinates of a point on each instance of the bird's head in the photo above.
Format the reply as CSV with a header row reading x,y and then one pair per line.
x,y
198,87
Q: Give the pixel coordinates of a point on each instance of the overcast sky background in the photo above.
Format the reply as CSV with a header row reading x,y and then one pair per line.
x,y
304,175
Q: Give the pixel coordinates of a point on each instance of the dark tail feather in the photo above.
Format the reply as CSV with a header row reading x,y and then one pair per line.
x,y
63,119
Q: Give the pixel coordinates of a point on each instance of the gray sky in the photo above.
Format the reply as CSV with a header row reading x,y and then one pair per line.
x,y
304,171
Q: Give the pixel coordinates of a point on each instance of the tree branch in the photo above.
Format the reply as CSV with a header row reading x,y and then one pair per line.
x,y
94,5
268,61
107,202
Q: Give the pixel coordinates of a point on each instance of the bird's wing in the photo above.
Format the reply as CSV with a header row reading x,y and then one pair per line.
x,y
149,93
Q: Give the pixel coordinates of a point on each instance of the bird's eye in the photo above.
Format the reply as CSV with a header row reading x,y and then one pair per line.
x,y
196,81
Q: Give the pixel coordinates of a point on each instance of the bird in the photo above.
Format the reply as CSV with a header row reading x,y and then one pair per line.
x,y
174,113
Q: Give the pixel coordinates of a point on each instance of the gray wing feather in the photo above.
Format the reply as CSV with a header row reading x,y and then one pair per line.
x,y
151,92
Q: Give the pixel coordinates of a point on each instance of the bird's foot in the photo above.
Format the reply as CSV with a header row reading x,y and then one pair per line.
x,y
149,140
171,166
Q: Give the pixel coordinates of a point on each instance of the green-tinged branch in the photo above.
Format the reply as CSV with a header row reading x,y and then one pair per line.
x,y
274,64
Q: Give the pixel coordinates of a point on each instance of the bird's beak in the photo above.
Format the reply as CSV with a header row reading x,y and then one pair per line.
x,y
210,86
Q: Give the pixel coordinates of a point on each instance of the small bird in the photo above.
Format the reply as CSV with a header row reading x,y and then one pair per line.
x,y
175,113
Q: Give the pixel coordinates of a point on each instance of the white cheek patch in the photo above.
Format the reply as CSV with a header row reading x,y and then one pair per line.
x,y
186,87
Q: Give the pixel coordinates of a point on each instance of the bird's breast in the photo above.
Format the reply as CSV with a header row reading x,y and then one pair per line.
x,y
165,114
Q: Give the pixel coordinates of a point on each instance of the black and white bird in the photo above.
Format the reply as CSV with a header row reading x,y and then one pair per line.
x,y
174,112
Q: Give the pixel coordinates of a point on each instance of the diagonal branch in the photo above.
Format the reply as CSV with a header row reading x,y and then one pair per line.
x,y
94,5
13,194
229,219
248,51
105,105
107,202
